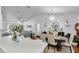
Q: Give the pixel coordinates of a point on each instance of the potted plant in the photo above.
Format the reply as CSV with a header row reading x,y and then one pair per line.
x,y
76,40
76,37
16,32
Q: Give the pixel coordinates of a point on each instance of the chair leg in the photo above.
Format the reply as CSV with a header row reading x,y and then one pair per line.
x,y
48,47
70,50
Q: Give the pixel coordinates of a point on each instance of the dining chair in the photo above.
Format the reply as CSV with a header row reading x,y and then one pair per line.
x,y
51,41
68,35
67,43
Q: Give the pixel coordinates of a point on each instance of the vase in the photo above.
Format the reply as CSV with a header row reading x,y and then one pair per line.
x,y
19,38
74,44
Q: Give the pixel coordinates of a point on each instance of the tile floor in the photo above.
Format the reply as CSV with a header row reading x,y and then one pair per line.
x,y
1,50
54,50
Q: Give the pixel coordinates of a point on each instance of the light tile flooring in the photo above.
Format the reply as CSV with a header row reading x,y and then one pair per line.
x,y
51,50
1,50
54,50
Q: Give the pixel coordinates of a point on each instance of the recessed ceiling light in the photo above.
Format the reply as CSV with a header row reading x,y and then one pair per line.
x,y
51,18
19,22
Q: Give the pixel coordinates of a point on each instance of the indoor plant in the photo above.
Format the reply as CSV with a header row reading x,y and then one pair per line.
x,y
16,32
76,40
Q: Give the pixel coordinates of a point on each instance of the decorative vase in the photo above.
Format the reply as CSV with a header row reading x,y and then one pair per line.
x,y
74,44
18,39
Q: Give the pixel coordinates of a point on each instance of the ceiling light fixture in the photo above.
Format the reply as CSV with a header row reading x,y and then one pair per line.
x,y
51,18
19,22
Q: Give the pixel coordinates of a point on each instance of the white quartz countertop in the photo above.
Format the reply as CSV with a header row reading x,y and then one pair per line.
x,y
26,45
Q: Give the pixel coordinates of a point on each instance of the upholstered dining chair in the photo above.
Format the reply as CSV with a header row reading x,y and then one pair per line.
x,y
68,35
51,41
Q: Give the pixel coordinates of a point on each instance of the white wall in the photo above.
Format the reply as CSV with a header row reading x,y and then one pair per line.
x,y
0,23
0,19
9,18
41,19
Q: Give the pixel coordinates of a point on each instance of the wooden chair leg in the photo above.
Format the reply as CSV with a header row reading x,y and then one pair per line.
x,y
48,47
69,47
70,50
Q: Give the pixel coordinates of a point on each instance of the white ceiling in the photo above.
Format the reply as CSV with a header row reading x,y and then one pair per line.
x,y
21,12
44,9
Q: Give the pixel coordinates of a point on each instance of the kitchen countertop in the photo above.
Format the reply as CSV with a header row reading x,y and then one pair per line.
x,y
26,45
